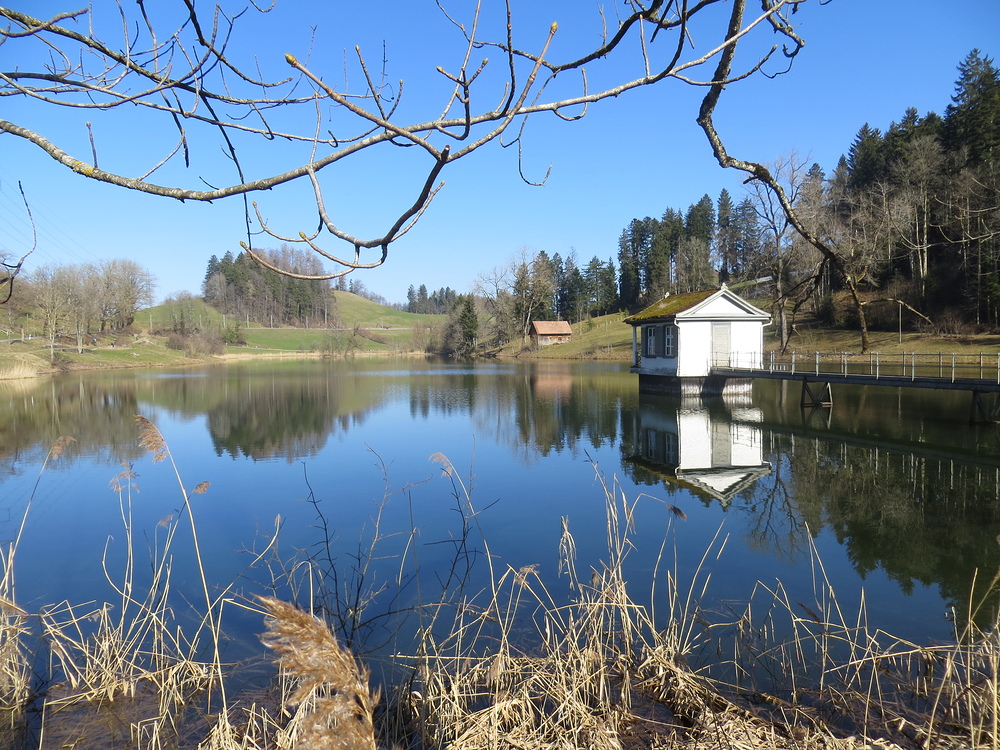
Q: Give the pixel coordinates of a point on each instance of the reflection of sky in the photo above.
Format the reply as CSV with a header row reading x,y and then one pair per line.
x,y
521,495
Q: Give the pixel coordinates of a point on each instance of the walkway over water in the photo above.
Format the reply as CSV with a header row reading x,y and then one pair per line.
x,y
977,373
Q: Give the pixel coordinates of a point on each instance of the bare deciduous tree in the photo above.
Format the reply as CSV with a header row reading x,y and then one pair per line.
x,y
493,288
53,299
846,260
125,287
920,171
514,294
81,299
778,251
192,68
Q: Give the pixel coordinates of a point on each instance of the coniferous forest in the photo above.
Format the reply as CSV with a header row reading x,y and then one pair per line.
x,y
909,219
238,285
910,215
905,230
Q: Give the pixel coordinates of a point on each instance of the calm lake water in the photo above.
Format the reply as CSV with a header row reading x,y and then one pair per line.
x,y
895,491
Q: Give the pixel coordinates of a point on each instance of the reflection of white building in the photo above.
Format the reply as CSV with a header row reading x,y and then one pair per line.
x,y
714,455
677,341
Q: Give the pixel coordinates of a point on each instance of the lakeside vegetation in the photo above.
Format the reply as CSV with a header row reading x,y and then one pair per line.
x,y
188,331
371,329
907,219
518,664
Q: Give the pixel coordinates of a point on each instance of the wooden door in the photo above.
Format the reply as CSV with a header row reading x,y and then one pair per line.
x,y
720,344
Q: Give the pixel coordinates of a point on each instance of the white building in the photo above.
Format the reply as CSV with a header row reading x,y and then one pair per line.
x,y
715,455
677,341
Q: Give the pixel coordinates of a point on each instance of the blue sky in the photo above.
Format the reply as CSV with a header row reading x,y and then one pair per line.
x,y
864,61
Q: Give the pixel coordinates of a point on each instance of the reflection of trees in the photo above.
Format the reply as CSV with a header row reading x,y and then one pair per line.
x,y
895,492
443,394
920,519
283,411
98,413
287,414
263,422
289,409
558,407
894,474
555,406
774,519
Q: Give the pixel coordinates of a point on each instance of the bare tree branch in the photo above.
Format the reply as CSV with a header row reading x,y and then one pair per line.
x,y
756,171
193,73
11,270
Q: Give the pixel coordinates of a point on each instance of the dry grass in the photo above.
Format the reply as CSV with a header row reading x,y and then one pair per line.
x,y
130,662
597,672
15,631
14,668
516,666
21,366
838,671
335,704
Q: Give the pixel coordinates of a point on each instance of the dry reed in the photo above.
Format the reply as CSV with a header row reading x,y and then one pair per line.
x,y
602,672
513,667
132,662
335,704
15,658
833,669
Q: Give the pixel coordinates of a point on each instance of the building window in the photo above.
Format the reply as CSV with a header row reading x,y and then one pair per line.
x,y
649,333
669,341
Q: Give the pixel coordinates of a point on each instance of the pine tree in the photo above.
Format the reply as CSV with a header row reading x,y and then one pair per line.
x,y
746,238
699,221
468,324
725,236
972,121
866,158
666,240
629,263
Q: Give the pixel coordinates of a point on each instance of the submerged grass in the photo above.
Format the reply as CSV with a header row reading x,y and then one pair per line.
x,y
515,665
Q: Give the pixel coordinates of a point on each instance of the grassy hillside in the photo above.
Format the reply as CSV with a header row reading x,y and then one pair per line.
x,y
355,310
355,323
607,337
351,309
366,327
164,317
369,328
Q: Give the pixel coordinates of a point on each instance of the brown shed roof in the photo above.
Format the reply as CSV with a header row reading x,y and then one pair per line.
x,y
551,328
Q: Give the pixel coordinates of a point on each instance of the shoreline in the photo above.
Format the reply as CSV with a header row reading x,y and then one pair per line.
x,y
148,352
32,366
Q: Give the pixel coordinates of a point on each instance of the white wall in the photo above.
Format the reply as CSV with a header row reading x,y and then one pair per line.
x,y
747,343
720,307
747,447
694,348
694,434
694,341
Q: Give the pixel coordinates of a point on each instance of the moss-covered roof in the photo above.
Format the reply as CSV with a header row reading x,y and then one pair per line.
x,y
671,305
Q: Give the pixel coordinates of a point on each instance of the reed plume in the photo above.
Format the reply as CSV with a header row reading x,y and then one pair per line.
x,y
335,703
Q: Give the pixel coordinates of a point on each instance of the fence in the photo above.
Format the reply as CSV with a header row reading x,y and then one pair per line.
x,y
945,366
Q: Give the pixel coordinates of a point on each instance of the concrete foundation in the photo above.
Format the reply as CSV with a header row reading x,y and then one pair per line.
x,y
713,385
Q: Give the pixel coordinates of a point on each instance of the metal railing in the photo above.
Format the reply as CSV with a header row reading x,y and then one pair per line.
x,y
943,366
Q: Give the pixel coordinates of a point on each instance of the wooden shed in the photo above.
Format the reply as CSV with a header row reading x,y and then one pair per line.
x,y
545,332
677,341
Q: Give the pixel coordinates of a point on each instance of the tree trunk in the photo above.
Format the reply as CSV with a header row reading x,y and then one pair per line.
x,y
860,307
782,302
